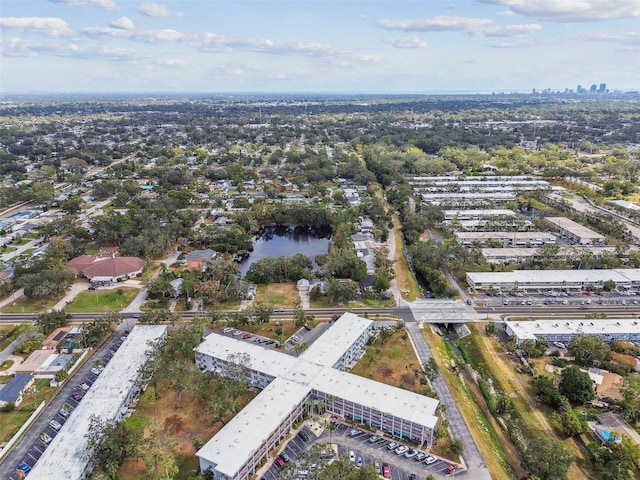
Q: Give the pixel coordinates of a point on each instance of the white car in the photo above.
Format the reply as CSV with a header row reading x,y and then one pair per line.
x,y
411,453
45,438
392,445
430,460
352,456
354,432
84,386
55,425
401,449
95,371
559,344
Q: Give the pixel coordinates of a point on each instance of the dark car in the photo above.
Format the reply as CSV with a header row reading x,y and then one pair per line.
x,y
76,396
303,436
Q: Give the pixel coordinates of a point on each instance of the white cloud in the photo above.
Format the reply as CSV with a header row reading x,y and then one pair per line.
x,y
98,32
123,23
154,36
153,9
17,47
412,41
50,26
435,24
104,4
507,30
630,38
471,25
572,10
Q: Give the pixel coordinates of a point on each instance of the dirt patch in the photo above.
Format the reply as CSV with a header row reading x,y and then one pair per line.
x,y
282,295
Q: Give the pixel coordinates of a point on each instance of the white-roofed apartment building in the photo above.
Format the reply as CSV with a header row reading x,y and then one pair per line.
x,y
291,384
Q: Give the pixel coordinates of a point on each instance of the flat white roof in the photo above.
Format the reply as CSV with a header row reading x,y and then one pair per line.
x,y
230,448
261,359
495,212
555,276
66,456
336,340
574,227
510,235
378,396
531,329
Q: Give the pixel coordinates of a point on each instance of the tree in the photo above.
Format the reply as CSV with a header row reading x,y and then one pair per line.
x,y
631,396
184,375
182,340
262,313
576,385
547,458
588,349
624,458
47,322
109,443
430,369
491,329
547,391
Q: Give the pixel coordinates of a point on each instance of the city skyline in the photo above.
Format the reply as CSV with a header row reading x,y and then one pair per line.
x,y
313,46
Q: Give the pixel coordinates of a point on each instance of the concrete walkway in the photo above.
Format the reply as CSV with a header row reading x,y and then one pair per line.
x,y
391,245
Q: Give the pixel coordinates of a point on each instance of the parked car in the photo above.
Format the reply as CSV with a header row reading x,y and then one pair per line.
x,y
430,460
352,456
411,453
96,371
421,456
285,457
65,411
279,462
386,471
359,461
303,436
84,386
55,425
76,396
44,437
354,432
401,449
376,465
374,439
24,467
392,445
453,468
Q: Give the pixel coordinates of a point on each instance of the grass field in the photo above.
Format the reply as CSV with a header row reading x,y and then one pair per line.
x,y
280,295
112,300
30,305
8,333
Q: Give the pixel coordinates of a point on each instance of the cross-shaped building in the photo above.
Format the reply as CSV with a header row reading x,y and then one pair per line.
x,y
290,384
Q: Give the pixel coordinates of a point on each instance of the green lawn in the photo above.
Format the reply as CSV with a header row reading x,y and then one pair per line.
x,y
112,300
27,252
8,333
30,305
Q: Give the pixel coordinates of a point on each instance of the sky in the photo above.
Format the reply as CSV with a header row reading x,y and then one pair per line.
x,y
357,46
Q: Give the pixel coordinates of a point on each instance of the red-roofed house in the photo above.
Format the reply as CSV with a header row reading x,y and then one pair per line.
x,y
106,269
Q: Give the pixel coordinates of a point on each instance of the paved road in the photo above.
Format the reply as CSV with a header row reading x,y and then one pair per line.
x,y
25,449
459,430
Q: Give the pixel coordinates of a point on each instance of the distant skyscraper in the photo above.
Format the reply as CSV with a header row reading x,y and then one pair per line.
x,y
603,88
593,88
580,89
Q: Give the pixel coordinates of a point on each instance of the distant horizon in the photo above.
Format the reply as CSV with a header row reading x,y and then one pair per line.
x,y
320,93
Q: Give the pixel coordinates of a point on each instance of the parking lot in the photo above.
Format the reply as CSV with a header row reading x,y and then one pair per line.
x,y
54,420
365,448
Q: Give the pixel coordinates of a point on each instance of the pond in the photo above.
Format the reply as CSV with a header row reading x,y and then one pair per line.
x,y
287,241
